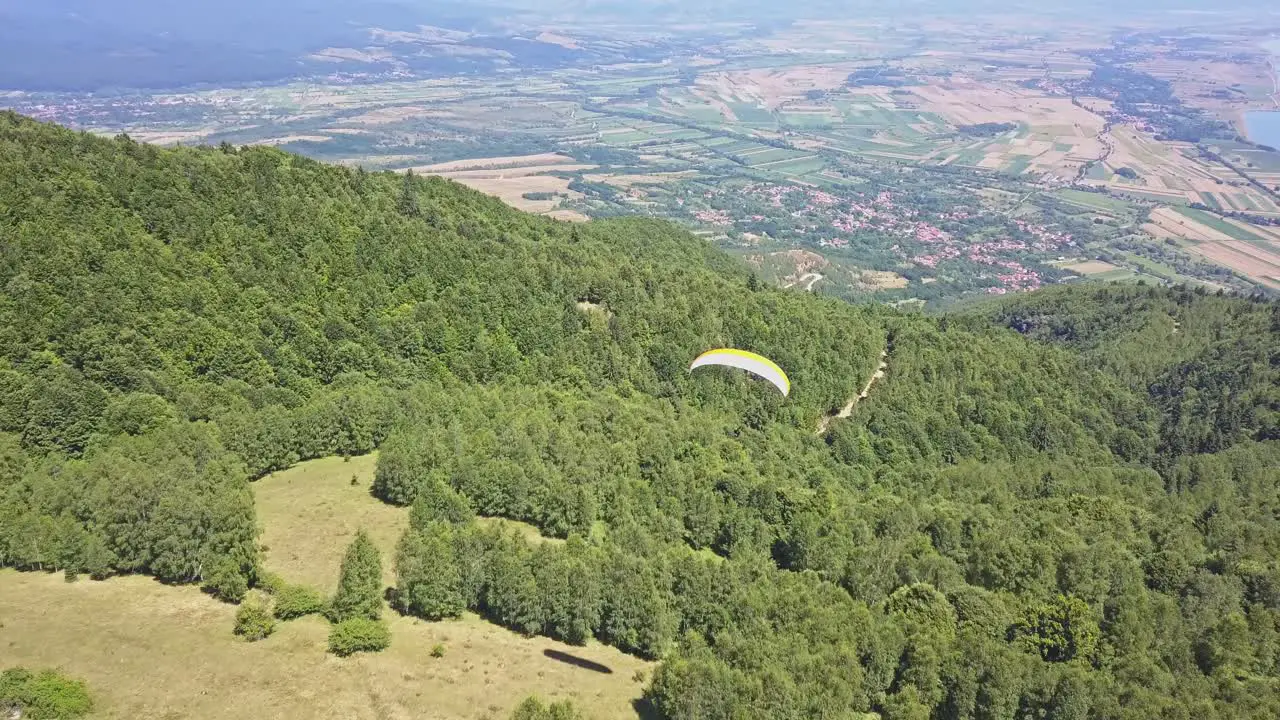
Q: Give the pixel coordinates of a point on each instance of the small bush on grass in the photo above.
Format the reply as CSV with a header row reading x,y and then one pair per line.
x,y
358,634
533,709
226,582
295,601
253,619
47,695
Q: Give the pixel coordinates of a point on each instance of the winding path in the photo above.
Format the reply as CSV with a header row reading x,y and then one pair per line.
x,y
809,278
847,410
1103,136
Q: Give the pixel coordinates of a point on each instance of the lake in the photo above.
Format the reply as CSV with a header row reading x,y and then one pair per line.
x,y
1263,127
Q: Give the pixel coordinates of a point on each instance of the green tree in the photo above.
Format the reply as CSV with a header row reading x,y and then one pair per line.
x,y
1061,630
436,501
408,204
359,582
429,581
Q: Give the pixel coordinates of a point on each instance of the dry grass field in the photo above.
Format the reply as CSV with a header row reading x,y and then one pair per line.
x,y
311,512
153,651
966,102
510,178
769,88
1257,259
149,650
513,161
1091,267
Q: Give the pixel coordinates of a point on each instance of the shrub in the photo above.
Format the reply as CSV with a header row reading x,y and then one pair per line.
x,y
358,634
226,582
437,651
47,695
533,709
253,619
271,582
295,601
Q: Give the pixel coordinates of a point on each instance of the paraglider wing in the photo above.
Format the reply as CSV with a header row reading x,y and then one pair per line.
x,y
749,361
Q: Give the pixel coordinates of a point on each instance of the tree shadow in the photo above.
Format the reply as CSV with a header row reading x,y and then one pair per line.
x,y
576,661
645,709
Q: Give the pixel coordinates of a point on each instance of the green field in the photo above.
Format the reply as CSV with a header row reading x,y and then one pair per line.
x,y
627,138
1210,199
807,120
1097,201
1225,227
1262,160
1143,195
1123,275
1098,171
701,113
1019,165
772,155
1163,271
752,114
801,166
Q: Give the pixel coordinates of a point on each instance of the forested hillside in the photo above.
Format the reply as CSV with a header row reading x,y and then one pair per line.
x,y
1060,506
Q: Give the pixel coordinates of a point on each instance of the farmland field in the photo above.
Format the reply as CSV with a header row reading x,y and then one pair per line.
x,y
840,107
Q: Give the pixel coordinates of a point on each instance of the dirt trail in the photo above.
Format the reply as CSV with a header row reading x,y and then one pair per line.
x,y
809,278
1104,137
847,410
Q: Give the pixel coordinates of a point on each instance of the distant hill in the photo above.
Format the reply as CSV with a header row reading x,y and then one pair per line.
x,y
96,46
82,45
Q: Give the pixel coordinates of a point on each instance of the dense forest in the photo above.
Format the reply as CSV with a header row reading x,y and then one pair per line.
x,y
1060,505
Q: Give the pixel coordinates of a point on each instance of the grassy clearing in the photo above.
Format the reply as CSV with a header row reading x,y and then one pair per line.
x,y
1261,160
1019,165
1091,267
1117,275
771,155
153,651
1177,201
1093,200
310,513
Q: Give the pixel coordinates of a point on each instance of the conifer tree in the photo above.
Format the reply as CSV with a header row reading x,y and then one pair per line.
x,y
360,582
430,584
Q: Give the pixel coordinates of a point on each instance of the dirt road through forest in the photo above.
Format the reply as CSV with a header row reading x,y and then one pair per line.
x,y
847,410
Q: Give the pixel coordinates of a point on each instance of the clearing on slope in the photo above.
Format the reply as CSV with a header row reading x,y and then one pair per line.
x,y
149,650
311,512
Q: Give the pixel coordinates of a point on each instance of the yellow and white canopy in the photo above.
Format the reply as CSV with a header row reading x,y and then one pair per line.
x,y
743,360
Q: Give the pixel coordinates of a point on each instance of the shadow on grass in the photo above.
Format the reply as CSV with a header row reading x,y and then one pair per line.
x,y
645,709
576,661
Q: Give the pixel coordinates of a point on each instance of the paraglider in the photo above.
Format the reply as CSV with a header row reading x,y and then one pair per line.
x,y
749,361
